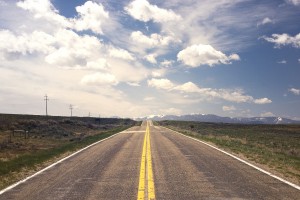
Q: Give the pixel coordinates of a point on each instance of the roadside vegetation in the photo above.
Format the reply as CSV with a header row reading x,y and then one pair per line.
x,y
47,140
274,147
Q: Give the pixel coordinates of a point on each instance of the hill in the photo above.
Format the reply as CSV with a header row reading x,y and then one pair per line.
x,y
218,119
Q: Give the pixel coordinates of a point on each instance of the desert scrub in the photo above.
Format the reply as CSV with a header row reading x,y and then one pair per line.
x,y
29,160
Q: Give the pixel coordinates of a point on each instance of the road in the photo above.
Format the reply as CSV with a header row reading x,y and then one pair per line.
x,y
129,164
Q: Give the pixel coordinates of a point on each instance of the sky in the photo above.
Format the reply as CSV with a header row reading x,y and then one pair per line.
x,y
236,58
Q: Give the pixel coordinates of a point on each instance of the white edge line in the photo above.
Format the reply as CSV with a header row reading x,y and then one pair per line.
x,y
52,165
241,160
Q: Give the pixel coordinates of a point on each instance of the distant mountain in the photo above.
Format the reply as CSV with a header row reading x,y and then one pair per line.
x,y
218,119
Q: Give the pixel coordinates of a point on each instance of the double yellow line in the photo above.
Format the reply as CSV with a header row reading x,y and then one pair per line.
x,y
146,168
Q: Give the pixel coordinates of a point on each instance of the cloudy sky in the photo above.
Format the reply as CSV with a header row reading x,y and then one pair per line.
x,y
237,58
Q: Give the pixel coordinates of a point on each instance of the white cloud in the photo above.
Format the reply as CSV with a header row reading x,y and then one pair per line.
x,y
159,72
144,11
37,41
168,63
160,83
295,91
171,111
188,87
282,62
134,84
228,108
236,96
66,49
73,50
266,20
267,114
128,72
153,40
149,98
283,40
100,63
44,9
294,2
120,53
151,58
197,55
91,17
112,56
262,101
99,79
299,60
234,57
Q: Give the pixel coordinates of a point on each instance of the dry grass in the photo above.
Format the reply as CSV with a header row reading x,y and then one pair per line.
x,y
275,147
49,138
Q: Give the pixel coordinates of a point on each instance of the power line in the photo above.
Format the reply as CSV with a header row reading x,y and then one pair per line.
x,y
46,99
71,108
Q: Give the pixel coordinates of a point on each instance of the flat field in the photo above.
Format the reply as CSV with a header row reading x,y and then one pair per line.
x,y
275,148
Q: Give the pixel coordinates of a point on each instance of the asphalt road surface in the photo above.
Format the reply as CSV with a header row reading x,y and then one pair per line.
x,y
181,168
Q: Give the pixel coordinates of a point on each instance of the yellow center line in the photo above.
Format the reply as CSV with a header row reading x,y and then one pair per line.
x,y
146,156
151,192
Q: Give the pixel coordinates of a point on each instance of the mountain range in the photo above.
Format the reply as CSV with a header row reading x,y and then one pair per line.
x,y
218,119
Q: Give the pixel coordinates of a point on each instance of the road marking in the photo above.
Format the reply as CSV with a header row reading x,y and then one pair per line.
x,y
133,131
146,166
151,192
241,160
52,165
141,191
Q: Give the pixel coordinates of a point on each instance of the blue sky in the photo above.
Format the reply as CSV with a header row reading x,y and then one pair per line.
x,y
237,58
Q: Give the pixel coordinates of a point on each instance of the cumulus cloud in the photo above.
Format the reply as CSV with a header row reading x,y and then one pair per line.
x,y
151,58
99,79
168,63
159,72
228,108
72,49
153,40
266,20
197,55
188,87
294,91
91,17
100,63
120,53
24,44
44,9
160,83
64,48
284,40
144,11
237,96
262,101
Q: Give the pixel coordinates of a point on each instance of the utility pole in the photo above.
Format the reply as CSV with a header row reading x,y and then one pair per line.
x,y
71,108
46,99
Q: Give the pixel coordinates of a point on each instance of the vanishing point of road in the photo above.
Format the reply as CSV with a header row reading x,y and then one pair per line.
x,y
151,162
